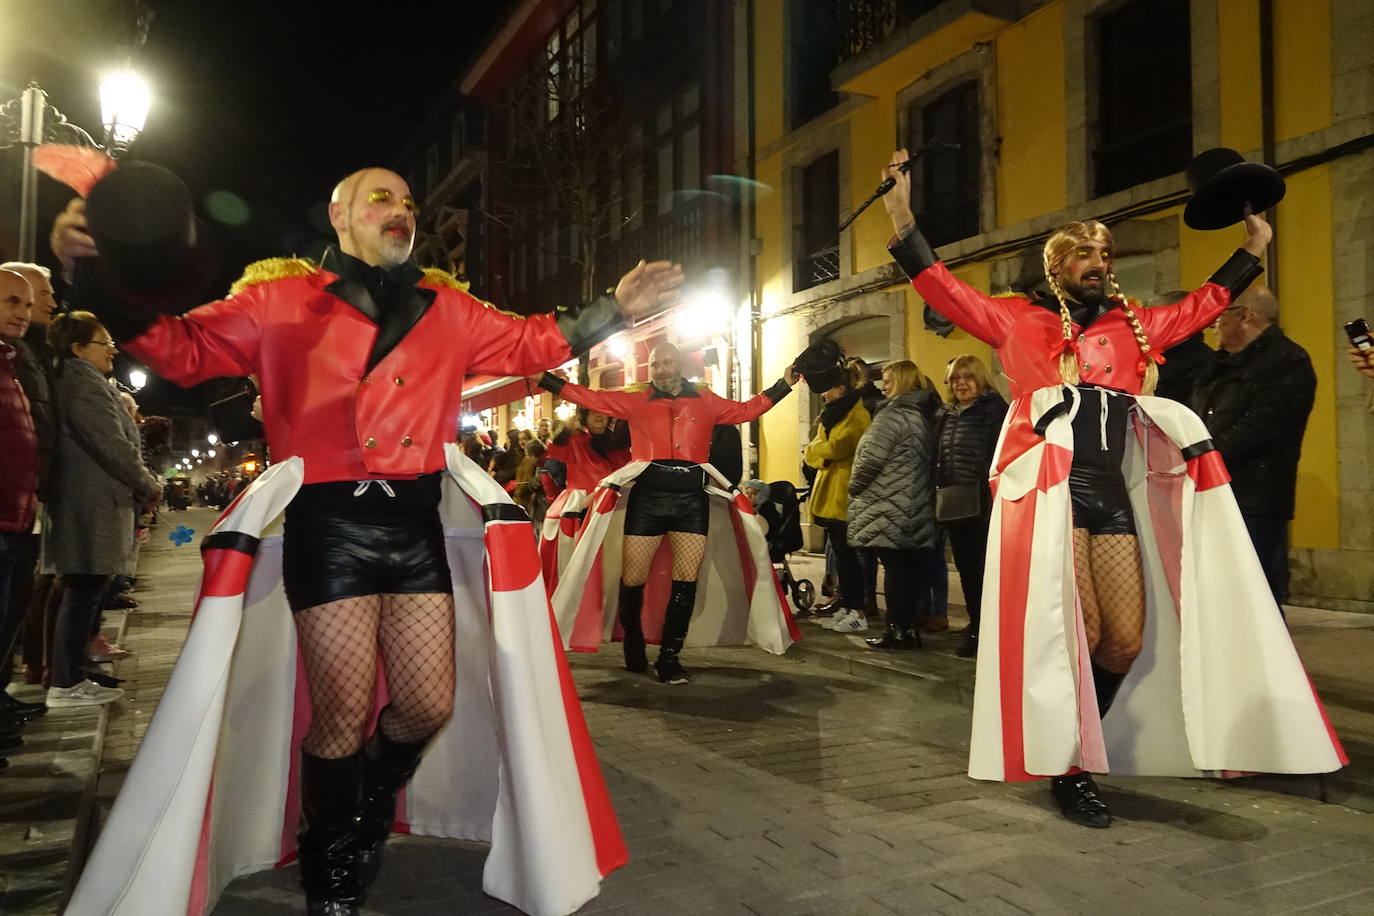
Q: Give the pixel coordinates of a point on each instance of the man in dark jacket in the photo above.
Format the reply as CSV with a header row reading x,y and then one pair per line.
x,y
1255,400
33,366
1185,362
18,465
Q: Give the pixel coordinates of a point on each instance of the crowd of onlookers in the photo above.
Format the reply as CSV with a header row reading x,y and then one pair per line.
x,y
80,481
520,465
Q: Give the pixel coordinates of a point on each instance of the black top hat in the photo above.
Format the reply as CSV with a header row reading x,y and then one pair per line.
x,y
1223,183
144,226
821,364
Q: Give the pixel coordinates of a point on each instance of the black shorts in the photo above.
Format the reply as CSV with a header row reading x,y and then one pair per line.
x,y
337,545
1097,487
668,497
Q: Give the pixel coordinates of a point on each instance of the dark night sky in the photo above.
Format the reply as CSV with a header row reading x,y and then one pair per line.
x,y
271,102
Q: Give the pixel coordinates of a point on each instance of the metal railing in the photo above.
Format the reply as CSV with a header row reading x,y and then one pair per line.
x,y
865,23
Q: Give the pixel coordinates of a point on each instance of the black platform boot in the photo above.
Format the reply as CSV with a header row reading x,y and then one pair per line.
x,y
328,844
1077,796
631,600
675,622
389,766
1105,684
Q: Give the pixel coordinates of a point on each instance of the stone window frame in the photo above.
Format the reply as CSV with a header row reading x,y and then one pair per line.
x,y
809,146
978,63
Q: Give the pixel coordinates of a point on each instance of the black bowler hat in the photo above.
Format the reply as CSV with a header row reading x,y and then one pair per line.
x,y
1223,183
144,225
821,364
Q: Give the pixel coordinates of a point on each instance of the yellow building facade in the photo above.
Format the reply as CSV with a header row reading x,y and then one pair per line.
x,y
1302,89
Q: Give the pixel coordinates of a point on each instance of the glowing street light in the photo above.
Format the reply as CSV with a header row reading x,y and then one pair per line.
x,y
211,453
564,411
212,439
195,453
137,379
124,103
704,315
618,346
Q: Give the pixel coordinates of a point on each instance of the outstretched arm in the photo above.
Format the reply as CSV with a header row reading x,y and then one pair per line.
x,y
732,412
611,403
985,317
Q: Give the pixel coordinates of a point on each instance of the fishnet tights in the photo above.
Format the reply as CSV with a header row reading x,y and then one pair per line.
x,y
1111,592
339,643
689,550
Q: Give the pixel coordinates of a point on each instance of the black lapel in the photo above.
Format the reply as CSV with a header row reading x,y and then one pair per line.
x,y
401,316
356,295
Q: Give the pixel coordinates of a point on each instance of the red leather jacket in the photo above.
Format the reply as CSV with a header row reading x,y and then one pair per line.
x,y
586,466
309,349
668,428
1029,338
19,455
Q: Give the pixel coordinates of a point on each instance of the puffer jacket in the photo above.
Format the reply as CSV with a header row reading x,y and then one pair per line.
x,y
967,439
891,500
1256,403
19,456
831,453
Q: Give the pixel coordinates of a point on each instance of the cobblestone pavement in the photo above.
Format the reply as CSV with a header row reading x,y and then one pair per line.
x,y
783,786
773,786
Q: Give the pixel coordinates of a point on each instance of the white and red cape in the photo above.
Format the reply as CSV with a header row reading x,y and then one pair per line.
x,y
559,535
739,600
212,794
1218,688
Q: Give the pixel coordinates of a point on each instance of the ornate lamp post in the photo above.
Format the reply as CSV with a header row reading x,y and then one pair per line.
x,y
29,121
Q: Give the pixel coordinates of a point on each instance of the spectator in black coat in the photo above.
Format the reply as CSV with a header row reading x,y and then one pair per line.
x,y
1185,362
1255,401
966,432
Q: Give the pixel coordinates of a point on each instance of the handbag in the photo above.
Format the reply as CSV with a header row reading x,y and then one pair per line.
x,y
959,502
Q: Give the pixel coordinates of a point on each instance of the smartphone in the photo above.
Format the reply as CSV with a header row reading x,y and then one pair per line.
x,y
1358,332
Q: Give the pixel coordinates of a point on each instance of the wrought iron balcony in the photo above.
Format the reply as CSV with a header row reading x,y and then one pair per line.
x,y
865,23
818,267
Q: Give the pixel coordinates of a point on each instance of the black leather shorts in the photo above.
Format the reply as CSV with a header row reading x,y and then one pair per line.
x,y
1097,488
668,497
337,545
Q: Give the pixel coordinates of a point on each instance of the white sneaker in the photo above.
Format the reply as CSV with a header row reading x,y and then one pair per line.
x,y
86,693
853,622
828,623
839,620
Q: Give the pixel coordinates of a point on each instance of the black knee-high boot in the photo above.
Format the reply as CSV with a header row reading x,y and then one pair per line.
x,y
675,622
631,601
1106,684
389,766
328,844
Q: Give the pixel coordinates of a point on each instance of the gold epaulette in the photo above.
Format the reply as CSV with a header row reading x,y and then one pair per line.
x,y
636,387
437,276
1009,294
269,269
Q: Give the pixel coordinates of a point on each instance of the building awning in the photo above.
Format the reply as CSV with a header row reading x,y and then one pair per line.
x,y
483,392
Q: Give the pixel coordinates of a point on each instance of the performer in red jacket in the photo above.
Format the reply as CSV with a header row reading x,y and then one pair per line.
x,y
360,363
1086,357
584,446
673,423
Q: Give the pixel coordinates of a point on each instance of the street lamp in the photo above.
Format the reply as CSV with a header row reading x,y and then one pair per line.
x,y
212,439
137,379
30,121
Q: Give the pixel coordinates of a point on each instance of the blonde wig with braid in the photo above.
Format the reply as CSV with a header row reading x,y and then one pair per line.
x,y
1058,247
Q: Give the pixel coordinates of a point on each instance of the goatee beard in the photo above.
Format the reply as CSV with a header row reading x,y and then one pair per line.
x,y
1086,296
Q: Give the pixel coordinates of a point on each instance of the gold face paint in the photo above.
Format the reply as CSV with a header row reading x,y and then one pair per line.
x,y
383,196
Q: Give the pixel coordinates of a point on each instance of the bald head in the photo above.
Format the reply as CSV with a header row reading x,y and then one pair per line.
x,y
665,367
1261,301
374,215
16,304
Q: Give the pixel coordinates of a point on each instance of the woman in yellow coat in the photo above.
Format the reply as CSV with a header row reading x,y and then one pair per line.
x,y
842,423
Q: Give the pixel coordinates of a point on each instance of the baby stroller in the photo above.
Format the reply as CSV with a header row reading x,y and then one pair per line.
x,y
780,507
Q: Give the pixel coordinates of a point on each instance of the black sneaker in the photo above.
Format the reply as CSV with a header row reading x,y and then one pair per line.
x,y
1078,799
26,712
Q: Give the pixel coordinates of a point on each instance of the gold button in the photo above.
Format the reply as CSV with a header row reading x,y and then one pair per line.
x,y
401,381
1080,336
370,443
1086,367
366,379
1108,369
405,442
677,446
1102,340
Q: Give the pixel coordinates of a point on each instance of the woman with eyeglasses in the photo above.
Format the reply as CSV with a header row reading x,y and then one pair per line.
x,y
101,482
